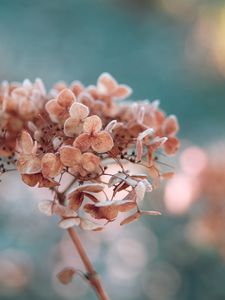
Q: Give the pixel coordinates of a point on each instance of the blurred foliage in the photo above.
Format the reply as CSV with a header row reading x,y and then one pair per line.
x,y
160,50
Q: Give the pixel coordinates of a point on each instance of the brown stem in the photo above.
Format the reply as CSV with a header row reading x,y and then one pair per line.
x,y
92,275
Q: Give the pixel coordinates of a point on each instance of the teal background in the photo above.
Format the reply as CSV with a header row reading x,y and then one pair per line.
x,y
143,46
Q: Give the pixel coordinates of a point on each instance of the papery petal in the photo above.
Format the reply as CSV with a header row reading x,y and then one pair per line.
x,y
151,212
111,126
123,91
83,142
145,133
170,126
47,182
89,187
26,142
51,165
70,156
45,207
65,98
90,162
140,190
102,142
106,84
54,110
75,200
76,87
92,124
66,275
92,90
139,150
63,211
127,206
158,142
72,127
31,180
28,164
69,222
131,218
88,225
109,212
86,99
79,111
171,145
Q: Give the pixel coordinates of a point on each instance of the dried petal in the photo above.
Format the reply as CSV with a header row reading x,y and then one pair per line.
x,y
28,164
31,180
127,206
92,124
88,225
72,127
55,110
69,222
66,97
151,212
66,275
170,125
75,200
92,188
106,83
51,165
79,111
123,91
140,190
131,218
90,162
171,145
145,133
26,142
102,142
111,126
45,207
83,142
70,156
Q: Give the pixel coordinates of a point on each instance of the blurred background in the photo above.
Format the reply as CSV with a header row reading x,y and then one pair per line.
x,y
168,50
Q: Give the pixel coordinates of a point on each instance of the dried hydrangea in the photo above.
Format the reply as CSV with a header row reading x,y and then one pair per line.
x,y
79,131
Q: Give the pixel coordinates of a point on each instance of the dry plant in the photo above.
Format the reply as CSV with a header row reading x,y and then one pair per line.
x,y
76,132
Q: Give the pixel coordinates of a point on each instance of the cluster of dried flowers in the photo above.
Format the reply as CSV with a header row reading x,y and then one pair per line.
x,y
79,130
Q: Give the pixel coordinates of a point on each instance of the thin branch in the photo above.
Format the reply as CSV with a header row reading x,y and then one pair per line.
x,y
92,275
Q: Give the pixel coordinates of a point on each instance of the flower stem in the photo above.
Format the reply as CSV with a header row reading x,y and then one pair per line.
x,y
92,275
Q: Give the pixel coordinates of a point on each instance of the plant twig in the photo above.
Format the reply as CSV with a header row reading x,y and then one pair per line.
x,y
92,275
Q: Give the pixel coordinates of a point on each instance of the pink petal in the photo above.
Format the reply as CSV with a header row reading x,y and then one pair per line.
x,y
72,127
69,222
76,87
170,126
45,207
51,165
92,124
86,224
55,110
90,162
131,218
66,97
102,142
66,275
28,164
83,142
106,84
123,91
70,156
78,111
26,142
